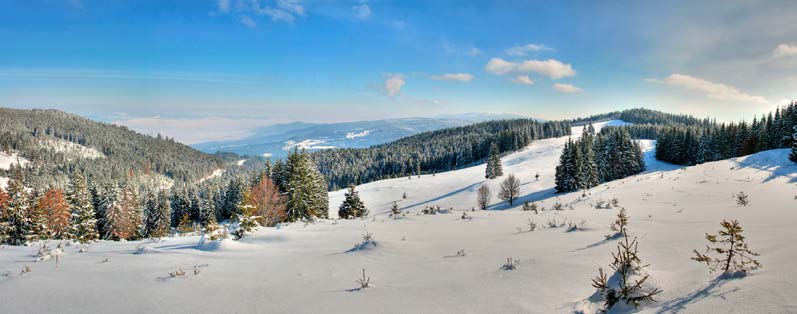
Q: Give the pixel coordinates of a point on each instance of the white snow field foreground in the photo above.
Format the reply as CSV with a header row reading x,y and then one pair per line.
x,y
414,266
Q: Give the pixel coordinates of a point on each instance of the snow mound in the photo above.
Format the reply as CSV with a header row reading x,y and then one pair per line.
x,y
143,249
208,245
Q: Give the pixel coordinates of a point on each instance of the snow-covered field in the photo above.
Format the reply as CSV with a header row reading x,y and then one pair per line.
x,y
6,160
414,266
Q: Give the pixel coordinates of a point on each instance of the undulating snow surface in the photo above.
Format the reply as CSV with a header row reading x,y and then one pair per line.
x,y
414,266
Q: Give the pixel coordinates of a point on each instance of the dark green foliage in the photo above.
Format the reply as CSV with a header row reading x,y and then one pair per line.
x,y
592,159
629,282
83,221
494,169
352,206
305,188
434,151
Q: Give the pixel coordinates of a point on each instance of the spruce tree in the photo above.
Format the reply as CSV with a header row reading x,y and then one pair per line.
x,y
83,219
19,228
793,155
306,189
352,206
494,167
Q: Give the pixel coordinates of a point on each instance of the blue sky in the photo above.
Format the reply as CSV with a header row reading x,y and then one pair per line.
x,y
237,64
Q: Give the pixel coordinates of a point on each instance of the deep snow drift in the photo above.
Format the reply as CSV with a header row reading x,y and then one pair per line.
x,y
414,265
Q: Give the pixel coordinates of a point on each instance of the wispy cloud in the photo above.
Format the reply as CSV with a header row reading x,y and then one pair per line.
x,y
362,10
522,79
279,11
460,50
785,50
524,50
567,88
551,68
248,21
393,84
712,90
460,77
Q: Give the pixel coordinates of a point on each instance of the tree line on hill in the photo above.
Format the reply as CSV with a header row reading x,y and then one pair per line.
x,y
37,134
432,152
87,211
696,144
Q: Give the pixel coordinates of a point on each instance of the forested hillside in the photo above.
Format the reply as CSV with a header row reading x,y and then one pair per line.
x,y
432,152
58,144
695,143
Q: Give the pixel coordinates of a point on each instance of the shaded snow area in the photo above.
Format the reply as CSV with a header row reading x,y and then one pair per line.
x,y
443,263
7,159
72,150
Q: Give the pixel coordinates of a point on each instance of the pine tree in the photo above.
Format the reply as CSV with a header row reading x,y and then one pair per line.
x,y
268,202
19,228
83,219
154,216
734,255
494,167
352,206
133,212
116,221
793,155
306,189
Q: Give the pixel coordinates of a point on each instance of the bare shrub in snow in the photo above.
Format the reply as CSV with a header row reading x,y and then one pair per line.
x,y
465,216
367,242
742,199
531,207
510,264
731,250
483,197
532,225
431,210
615,202
177,273
364,281
620,224
628,283
558,206
575,225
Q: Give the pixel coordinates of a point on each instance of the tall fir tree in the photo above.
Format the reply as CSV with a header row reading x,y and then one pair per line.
x,y
306,189
19,228
83,219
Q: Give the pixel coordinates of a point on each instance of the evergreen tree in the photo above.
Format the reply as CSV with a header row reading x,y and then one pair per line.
x,y
83,219
155,225
19,227
306,189
55,215
494,167
352,206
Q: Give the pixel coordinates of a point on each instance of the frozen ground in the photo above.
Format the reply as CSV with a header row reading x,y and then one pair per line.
x,y
414,266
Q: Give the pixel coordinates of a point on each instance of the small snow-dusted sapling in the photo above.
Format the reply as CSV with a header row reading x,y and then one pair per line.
x,y
732,253
629,282
620,224
364,281
742,199
510,264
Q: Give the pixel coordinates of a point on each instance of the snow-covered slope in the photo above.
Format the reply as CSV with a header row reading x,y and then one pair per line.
x,y
457,189
414,268
6,160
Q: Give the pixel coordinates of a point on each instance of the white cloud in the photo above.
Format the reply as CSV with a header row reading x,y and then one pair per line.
x,y
224,5
527,49
362,11
567,88
710,89
248,21
500,66
785,50
461,77
394,83
466,50
523,79
551,68
281,11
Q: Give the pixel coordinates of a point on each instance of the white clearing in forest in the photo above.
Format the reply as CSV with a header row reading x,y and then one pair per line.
x,y
446,264
7,159
70,149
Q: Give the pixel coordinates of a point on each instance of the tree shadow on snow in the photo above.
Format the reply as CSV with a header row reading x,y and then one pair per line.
x,y
708,291
601,242
776,168
470,187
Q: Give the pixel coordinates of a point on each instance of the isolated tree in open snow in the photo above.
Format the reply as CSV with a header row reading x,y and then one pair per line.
x,y
352,206
510,189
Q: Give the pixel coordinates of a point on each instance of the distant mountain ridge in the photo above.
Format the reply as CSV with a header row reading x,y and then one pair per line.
x,y
277,140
